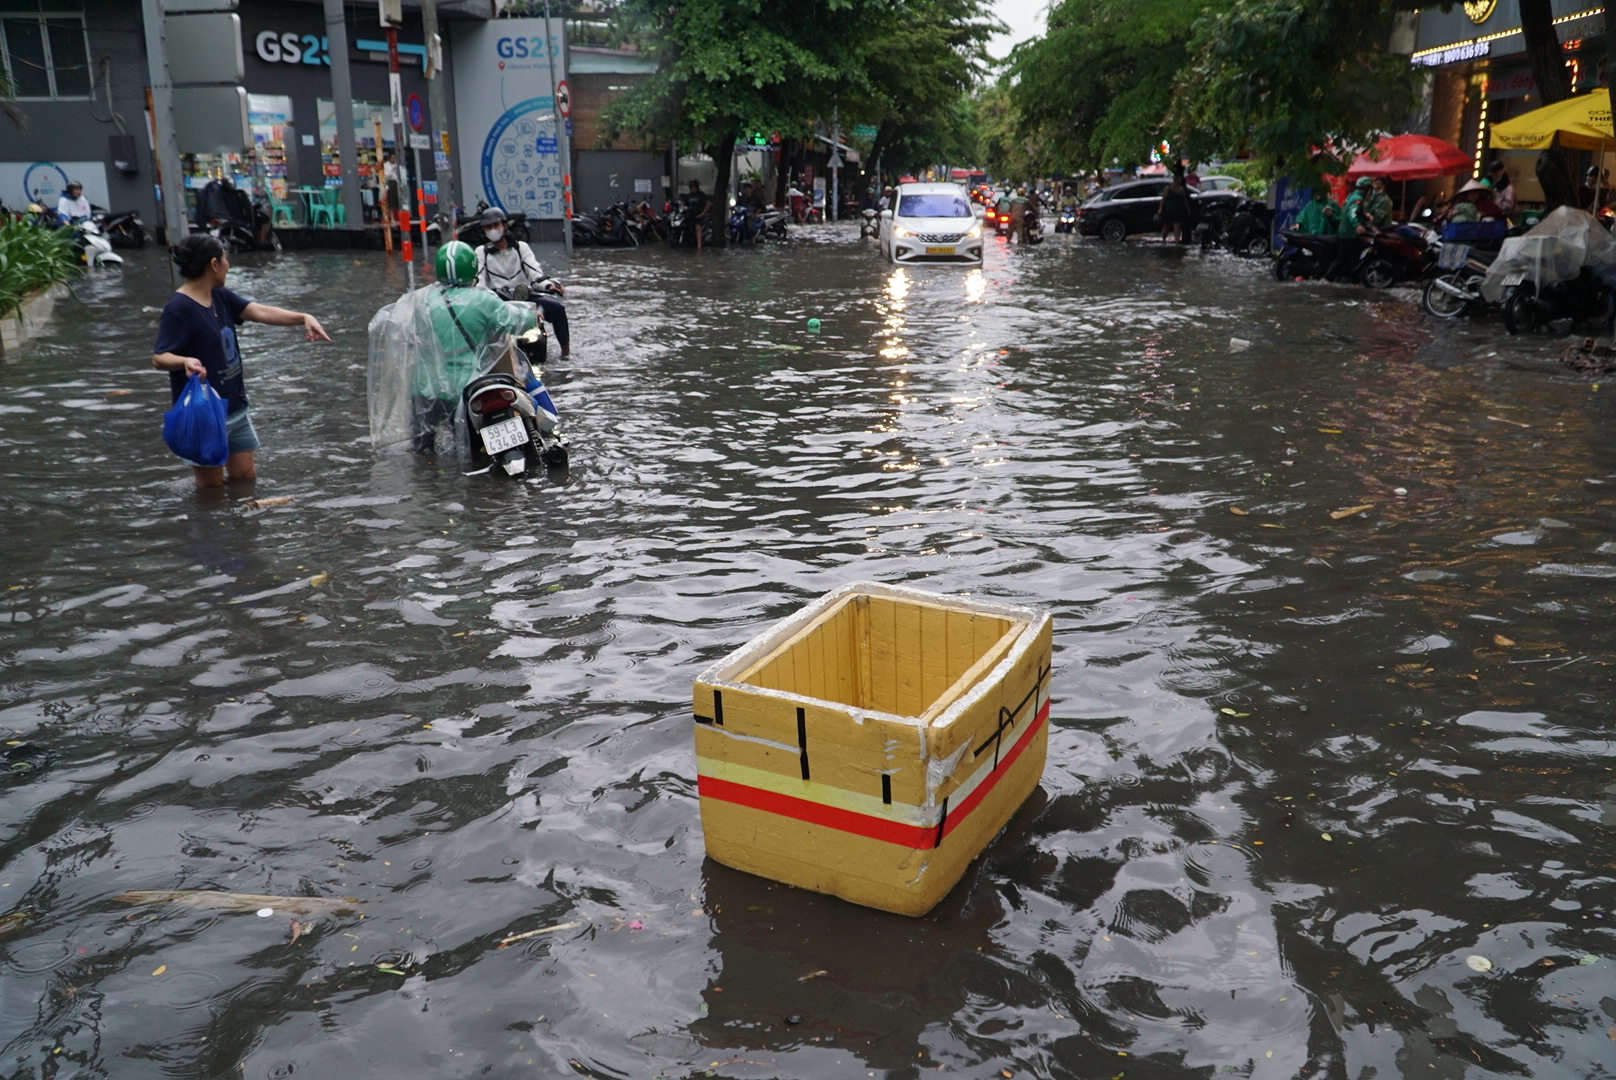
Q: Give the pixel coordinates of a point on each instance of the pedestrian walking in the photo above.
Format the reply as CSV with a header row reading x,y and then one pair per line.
x,y
196,335
1175,209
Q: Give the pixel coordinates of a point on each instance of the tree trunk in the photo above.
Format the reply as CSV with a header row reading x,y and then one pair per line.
x,y
723,157
1610,42
1556,170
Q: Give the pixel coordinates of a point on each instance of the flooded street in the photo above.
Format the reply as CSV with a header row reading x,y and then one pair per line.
x,y
1304,764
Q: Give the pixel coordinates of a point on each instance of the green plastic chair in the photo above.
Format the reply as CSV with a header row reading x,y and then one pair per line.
x,y
280,213
323,208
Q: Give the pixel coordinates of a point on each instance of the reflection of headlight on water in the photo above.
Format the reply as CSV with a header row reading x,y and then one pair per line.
x,y
976,286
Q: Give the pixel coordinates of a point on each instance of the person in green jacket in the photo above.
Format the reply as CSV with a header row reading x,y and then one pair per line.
x,y
466,324
1380,204
1318,216
1355,219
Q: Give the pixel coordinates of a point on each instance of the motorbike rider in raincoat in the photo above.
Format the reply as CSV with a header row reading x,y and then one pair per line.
x,y
513,271
465,320
1318,217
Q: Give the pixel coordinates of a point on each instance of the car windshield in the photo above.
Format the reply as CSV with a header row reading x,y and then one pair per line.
x,y
944,206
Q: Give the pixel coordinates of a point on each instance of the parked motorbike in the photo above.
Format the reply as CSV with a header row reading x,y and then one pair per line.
x,y
1456,288
123,229
742,224
1407,253
1243,229
613,224
1529,306
869,223
92,245
772,224
1304,255
509,414
585,231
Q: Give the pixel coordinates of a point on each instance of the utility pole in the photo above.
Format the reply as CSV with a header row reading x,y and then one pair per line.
x,y
168,151
439,126
563,139
336,30
836,164
392,13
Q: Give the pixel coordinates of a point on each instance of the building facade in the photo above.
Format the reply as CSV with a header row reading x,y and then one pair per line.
x,y
1480,75
80,73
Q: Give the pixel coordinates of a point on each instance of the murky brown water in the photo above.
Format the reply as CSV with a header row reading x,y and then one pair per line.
x,y
1300,769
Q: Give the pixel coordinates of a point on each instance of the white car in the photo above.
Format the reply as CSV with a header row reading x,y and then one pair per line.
x,y
931,223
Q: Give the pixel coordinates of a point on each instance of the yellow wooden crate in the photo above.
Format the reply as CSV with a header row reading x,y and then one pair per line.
x,y
871,745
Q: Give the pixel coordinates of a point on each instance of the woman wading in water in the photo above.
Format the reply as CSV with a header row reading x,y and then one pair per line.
x,y
196,335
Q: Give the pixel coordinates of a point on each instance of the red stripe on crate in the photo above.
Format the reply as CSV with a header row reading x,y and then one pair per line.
x,y
850,821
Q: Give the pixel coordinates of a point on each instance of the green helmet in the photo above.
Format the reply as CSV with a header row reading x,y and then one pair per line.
x,y
457,263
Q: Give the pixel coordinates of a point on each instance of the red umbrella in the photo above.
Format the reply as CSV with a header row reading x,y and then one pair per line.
x,y
1411,157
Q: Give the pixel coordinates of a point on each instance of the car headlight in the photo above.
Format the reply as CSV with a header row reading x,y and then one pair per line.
x,y
899,230
973,232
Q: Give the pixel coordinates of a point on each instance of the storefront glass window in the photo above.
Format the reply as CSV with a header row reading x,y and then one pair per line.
x,y
45,57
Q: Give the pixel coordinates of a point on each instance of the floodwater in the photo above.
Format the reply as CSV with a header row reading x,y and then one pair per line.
x,y
1302,767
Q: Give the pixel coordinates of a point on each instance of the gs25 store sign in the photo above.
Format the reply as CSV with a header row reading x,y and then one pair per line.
x,y
522,48
275,47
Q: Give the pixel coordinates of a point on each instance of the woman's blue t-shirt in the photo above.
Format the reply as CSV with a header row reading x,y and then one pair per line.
x,y
186,328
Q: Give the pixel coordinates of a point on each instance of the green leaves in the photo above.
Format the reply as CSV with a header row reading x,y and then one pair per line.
x,y
32,258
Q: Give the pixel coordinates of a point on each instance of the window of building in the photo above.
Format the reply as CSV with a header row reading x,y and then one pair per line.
x,y
46,51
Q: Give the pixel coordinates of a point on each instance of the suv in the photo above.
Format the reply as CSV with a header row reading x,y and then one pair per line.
x,y
1119,211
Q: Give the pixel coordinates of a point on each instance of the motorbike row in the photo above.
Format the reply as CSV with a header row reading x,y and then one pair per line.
x,y
1453,272
94,237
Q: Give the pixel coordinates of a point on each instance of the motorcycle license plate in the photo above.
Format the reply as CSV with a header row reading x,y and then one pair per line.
x,y
939,251
505,435
1511,280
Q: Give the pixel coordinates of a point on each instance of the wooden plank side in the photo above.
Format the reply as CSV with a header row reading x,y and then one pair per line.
x,y
932,653
906,647
860,646
882,655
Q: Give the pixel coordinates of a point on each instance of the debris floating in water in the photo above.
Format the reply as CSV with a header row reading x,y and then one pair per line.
x,y
266,503
813,326
265,912
229,901
1501,641
1351,511
535,933
1476,962
1238,344
812,975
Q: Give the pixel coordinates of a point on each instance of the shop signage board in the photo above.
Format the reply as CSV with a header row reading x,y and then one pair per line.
x,y
23,182
503,102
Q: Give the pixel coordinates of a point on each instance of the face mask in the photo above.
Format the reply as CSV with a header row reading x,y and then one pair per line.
x,y
494,235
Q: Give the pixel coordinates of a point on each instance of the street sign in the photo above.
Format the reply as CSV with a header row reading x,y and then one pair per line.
x,y
864,131
417,114
420,142
563,94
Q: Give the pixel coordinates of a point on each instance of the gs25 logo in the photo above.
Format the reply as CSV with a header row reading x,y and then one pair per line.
x,y
519,48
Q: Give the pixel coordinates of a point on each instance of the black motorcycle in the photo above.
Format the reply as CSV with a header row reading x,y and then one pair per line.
x,y
124,229
682,227
1529,306
1304,255
1243,229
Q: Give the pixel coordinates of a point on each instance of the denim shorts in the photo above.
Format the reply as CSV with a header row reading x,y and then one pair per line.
x,y
239,430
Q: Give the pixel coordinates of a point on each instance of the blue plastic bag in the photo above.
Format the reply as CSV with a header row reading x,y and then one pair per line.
x,y
195,427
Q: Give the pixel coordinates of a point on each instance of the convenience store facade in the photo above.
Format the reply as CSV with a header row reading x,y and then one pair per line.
x,y
84,90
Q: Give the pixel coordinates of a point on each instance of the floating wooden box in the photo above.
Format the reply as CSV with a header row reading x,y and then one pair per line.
x,y
871,745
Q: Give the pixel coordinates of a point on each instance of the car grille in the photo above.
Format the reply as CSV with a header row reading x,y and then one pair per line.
x,y
940,238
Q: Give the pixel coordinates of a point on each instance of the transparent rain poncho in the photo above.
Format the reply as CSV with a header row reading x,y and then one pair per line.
x,y
424,348
1555,249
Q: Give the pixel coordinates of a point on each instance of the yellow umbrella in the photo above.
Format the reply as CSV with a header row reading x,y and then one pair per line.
x,y
1581,122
